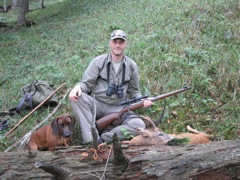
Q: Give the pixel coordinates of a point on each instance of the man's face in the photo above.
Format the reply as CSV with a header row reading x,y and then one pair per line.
x,y
117,46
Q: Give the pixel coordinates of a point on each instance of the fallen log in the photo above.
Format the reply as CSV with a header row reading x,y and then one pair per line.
x,y
215,160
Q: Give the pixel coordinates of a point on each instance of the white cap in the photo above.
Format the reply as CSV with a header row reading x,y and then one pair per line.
x,y
118,34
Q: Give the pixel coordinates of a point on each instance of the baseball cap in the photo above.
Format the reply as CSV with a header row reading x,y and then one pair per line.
x,y
118,34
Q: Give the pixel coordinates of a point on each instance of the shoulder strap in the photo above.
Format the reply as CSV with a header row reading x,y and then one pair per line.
x,y
27,97
108,73
10,112
123,76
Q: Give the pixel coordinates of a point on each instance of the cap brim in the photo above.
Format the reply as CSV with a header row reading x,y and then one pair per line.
x,y
118,37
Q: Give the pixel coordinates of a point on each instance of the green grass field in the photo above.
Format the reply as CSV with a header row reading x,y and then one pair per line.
x,y
175,43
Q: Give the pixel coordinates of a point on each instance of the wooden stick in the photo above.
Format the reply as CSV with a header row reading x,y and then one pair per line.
x,y
93,126
33,110
105,169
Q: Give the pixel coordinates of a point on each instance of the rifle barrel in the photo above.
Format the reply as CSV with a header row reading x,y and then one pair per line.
x,y
185,88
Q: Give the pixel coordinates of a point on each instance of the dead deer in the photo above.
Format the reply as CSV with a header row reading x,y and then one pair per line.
x,y
158,137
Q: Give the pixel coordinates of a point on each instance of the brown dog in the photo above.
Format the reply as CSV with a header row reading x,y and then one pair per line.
x,y
58,133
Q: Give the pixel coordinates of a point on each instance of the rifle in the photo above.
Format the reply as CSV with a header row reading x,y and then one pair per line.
x,y
103,122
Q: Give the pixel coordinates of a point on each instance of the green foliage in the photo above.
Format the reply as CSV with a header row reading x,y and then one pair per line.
x,y
178,142
175,43
127,135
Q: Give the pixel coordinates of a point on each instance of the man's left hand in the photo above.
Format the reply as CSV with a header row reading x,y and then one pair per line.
x,y
147,103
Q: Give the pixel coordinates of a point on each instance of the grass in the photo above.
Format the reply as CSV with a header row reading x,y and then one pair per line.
x,y
175,43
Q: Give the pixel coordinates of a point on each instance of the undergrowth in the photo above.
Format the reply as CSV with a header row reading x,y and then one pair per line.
x,y
175,43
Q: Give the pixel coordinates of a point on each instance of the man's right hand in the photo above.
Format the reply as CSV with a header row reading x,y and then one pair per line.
x,y
75,93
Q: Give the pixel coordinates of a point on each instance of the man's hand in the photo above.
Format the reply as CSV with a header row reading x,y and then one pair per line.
x,y
147,103
75,93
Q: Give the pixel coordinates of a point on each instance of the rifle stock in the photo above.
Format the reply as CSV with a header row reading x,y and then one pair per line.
x,y
103,122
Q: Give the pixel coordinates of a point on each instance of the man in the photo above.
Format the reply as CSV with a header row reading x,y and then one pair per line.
x,y
112,78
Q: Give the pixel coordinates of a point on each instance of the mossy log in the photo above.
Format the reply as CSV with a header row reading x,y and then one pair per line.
x,y
215,160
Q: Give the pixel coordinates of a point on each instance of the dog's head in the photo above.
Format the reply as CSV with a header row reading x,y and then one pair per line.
x,y
63,125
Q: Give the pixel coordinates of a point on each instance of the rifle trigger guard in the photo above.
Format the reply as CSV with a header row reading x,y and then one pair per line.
x,y
128,108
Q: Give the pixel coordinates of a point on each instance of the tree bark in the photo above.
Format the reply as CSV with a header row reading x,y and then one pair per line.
x,y
42,4
23,9
216,160
5,5
14,4
21,12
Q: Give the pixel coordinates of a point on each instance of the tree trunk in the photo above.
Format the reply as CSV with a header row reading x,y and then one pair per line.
x,y
213,161
42,4
14,4
22,12
27,7
5,5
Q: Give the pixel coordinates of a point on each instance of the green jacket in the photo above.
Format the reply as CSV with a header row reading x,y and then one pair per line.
x,y
95,79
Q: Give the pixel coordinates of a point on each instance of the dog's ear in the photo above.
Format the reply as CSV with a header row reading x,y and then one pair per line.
x,y
54,126
73,120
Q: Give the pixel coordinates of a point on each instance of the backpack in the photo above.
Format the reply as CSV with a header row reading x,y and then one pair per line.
x,y
35,93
